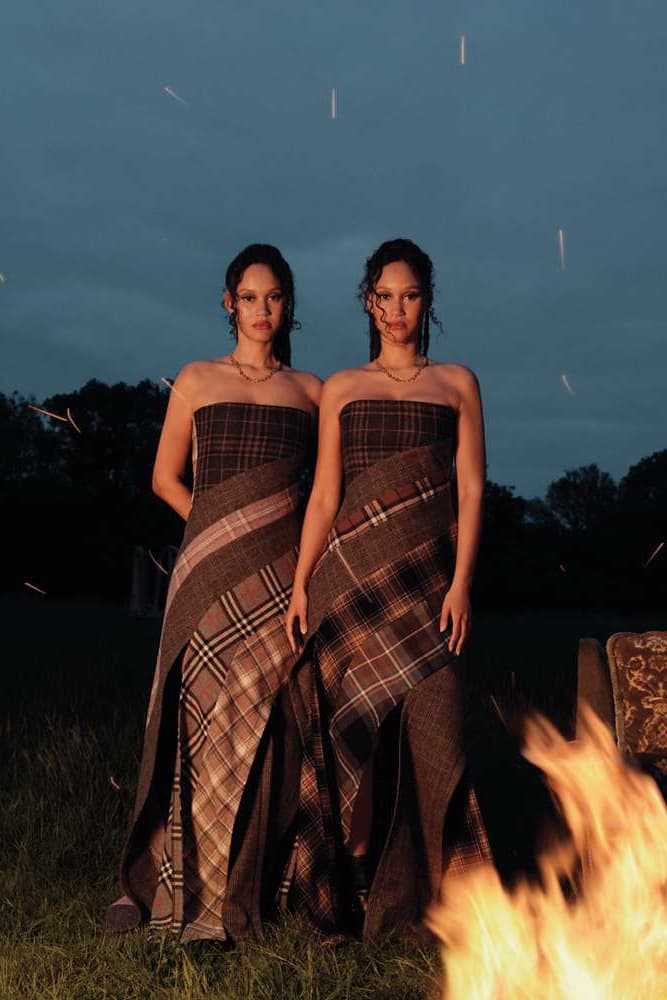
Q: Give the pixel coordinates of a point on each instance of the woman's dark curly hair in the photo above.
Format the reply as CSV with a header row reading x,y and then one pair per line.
x,y
422,265
264,253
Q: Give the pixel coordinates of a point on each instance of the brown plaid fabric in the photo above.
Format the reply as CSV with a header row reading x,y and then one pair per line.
x,y
371,431
375,599
229,438
223,657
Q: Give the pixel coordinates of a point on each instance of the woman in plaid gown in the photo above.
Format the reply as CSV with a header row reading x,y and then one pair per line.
x,y
381,599
197,862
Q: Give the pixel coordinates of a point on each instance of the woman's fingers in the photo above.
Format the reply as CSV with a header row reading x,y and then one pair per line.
x,y
464,632
289,628
296,623
456,631
444,615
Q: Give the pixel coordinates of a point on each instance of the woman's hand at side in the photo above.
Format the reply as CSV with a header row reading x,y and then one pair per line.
x,y
296,619
456,613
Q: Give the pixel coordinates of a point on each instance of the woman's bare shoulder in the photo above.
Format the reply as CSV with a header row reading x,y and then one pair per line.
x,y
343,386
458,377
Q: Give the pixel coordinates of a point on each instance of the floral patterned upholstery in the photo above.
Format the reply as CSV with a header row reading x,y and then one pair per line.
x,y
638,671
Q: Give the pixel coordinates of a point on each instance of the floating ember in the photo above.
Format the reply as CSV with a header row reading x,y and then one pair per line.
x,y
561,248
656,552
462,50
158,564
177,97
596,929
566,382
334,102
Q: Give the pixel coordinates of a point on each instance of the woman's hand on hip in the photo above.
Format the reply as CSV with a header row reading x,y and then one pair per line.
x,y
296,620
457,615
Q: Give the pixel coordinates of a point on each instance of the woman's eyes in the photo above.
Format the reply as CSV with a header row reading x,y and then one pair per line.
x,y
411,296
275,297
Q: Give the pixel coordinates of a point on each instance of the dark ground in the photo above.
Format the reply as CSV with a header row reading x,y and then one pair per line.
x,y
74,687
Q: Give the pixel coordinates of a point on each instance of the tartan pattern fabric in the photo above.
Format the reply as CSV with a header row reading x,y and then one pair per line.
x,y
471,847
229,438
378,641
231,671
223,656
381,508
375,599
370,429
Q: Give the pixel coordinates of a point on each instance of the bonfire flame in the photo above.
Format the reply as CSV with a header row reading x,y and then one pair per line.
x,y
603,939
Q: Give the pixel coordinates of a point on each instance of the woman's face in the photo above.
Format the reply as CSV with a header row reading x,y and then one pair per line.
x,y
259,303
396,303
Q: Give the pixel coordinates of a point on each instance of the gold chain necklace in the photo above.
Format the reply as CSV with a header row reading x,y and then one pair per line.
x,y
249,378
411,378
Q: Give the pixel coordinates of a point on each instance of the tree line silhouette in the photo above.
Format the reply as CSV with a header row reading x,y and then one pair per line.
x,y
76,500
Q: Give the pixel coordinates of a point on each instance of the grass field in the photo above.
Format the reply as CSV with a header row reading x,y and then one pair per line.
x,y
74,689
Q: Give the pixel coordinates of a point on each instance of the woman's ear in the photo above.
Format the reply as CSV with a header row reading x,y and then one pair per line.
x,y
369,302
228,301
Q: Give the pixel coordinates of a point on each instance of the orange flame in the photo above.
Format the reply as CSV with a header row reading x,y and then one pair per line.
x,y
610,941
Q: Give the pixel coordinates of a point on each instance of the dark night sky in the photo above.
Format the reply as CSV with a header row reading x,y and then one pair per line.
x,y
121,206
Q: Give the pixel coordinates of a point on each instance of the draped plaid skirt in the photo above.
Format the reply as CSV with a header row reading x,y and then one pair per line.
x,y
376,680
199,854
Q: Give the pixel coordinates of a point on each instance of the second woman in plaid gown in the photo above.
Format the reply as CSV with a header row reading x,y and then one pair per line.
x,y
381,599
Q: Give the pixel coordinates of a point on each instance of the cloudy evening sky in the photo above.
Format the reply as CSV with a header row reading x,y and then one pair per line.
x,y
121,205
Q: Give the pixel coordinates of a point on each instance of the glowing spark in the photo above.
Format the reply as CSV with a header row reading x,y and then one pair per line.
x,y
33,587
562,568
170,385
333,103
47,413
2,278
177,97
561,249
498,712
114,783
567,385
71,420
655,552
159,565
462,56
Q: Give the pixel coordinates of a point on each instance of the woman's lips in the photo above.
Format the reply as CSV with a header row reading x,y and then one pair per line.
x,y
262,326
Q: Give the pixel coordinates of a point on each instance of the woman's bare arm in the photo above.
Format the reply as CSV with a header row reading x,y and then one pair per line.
x,y
470,476
174,446
322,506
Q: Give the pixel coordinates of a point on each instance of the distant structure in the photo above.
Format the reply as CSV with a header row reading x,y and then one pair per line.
x,y
148,591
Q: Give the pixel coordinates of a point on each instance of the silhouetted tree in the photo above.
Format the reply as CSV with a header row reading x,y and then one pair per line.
x,y
120,426
582,497
27,448
503,510
643,489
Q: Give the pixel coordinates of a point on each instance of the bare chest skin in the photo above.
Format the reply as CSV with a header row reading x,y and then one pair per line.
x,y
220,381
435,384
